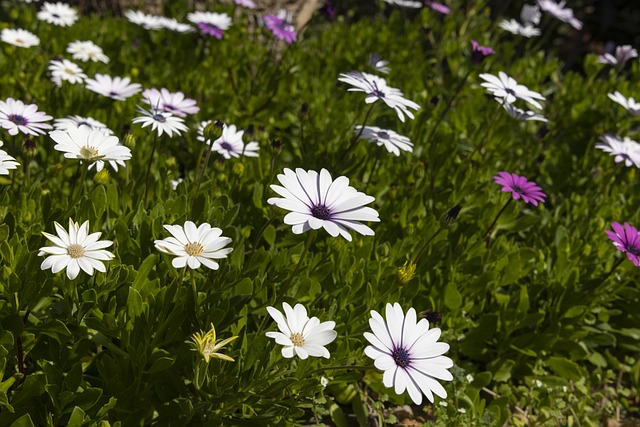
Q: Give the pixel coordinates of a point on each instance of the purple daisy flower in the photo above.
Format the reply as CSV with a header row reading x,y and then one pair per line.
x,y
627,239
479,53
520,187
281,28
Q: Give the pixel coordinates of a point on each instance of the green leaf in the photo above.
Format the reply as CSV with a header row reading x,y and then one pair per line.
x,y
452,297
143,271
564,368
99,199
161,364
269,234
23,421
77,418
337,416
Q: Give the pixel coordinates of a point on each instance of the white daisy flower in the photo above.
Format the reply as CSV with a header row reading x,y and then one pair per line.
x,y
210,23
67,71
92,146
530,14
16,116
194,246
509,90
514,27
87,51
299,335
392,141
148,22
161,121
230,143
408,353
171,102
75,250
376,88
117,88
317,201
19,37
560,12
68,122
174,25
406,3
625,150
622,55
6,162
629,104
58,14
378,63
523,115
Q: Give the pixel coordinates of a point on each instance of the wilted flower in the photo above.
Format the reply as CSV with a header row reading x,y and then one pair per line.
x,y
75,250
118,88
530,14
67,71
19,37
281,28
6,162
16,116
206,345
479,53
508,89
392,141
316,201
520,187
210,23
625,150
629,104
560,12
58,14
449,218
194,246
161,121
408,353
299,335
171,102
627,239
87,51
622,55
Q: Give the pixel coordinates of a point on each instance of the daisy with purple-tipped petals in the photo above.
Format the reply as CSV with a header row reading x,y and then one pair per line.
x,y
376,88
281,28
507,89
194,246
300,335
629,104
6,162
210,23
479,53
317,201
409,353
16,116
520,187
118,88
625,150
161,121
627,239
170,102
19,37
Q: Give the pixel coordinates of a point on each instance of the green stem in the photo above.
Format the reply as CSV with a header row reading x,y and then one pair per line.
x,y
606,276
199,178
487,131
285,287
490,229
424,247
373,171
359,134
146,179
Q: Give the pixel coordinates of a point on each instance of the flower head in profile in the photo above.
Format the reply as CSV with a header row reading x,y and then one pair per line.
x,y
19,37
514,27
281,28
479,53
560,12
392,141
148,22
174,25
16,116
87,51
161,121
317,201
206,345
629,104
249,4
438,7
170,102
6,162
230,143
412,4
379,64
508,89
300,335
69,122
92,146
376,88
210,23
520,187
409,353
627,239
67,71
58,14
620,57
194,246
523,115
625,150
118,88
74,250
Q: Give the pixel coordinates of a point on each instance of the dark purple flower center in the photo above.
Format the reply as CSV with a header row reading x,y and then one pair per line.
x,y
18,119
401,357
226,146
114,94
510,92
517,189
632,250
55,15
159,118
383,135
320,211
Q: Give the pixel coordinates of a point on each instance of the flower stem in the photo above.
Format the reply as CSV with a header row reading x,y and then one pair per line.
x,y
493,224
146,179
373,171
424,247
487,131
447,107
606,276
285,287
355,138
199,179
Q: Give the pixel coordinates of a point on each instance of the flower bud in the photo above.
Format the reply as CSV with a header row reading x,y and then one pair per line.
x,y
30,148
212,130
102,177
170,162
450,217
129,141
238,169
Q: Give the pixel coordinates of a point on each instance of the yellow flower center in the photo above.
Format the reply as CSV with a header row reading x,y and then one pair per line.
x,y
193,249
19,41
89,152
75,250
69,71
297,339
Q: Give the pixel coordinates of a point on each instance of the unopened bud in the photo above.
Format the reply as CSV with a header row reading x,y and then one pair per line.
x,y
238,169
102,177
129,140
450,217
406,272
170,162
304,111
419,171
276,144
212,130
30,148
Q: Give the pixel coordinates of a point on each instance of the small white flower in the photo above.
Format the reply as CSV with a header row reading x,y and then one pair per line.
x,y
508,89
443,403
117,88
92,146
171,102
408,353
514,27
148,22
87,51
19,37
469,378
560,12
174,25
317,201
174,183
376,88
626,149
58,14
67,71
68,122
629,104
194,246
299,335
324,382
16,116
6,162
75,250
230,143
378,63
392,141
523,115
462,410
406,3
538,383
622,55
161,121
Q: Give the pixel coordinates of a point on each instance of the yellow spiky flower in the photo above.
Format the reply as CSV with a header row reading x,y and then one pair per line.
x,y
205,344
406,272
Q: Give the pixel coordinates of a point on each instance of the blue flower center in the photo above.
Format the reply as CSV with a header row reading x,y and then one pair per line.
x,y
401,357
18,119
159,118
510,92
383,135
226,146
320,212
